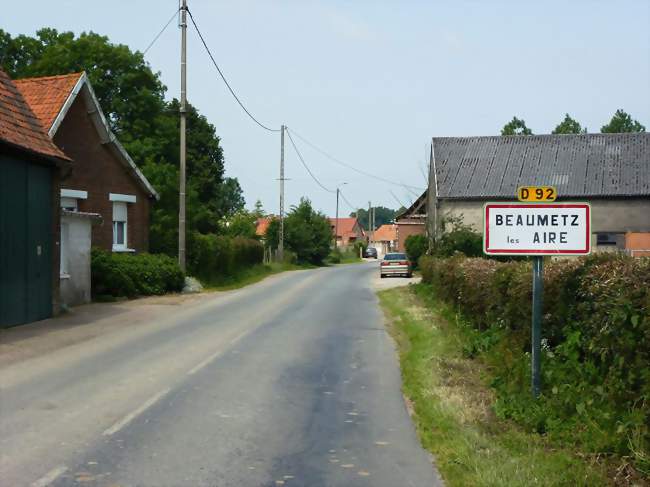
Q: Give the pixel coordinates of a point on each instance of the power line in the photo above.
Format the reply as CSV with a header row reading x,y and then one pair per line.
x,y
305,164
396,198
352,207
349,166
232,92
161,32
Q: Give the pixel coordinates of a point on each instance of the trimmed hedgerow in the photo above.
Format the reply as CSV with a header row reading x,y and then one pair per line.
x,y
596,344
214,257
130,275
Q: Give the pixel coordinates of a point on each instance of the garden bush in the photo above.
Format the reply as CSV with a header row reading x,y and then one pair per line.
x,y
130,275
596,343
416,246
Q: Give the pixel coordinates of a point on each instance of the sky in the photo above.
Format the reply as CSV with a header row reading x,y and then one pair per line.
x,y
371,81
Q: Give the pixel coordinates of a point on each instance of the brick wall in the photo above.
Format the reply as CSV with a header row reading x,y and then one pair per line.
x,y
97,170
405,229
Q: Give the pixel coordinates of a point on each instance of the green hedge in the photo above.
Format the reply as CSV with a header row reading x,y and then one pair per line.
x,y
596,343
122,274
213,257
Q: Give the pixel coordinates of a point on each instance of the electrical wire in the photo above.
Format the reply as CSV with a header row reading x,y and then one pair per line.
x,y
306,166
161,32
349,166
353,208
232,92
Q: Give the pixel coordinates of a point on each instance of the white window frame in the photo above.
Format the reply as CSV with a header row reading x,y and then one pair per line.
x,y
121,247
74,193
122,198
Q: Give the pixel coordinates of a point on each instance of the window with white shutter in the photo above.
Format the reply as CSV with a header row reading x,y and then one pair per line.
x,y
120,226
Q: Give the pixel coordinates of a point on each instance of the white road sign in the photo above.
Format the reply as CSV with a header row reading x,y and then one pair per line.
x,y
537,229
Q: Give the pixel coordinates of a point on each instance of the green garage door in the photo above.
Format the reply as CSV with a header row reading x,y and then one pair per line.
x,y
25,241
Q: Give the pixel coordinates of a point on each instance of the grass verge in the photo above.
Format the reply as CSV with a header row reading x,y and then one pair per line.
x,y
452,405
251,275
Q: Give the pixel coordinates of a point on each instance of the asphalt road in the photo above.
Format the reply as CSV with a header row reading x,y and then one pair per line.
x,y
292,381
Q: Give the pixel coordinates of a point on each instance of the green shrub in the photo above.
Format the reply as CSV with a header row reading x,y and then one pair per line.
x,y
458,237
596,343
122,274
214,257
416,246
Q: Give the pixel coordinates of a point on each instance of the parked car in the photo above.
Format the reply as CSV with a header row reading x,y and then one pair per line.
x,y
395,264
370,252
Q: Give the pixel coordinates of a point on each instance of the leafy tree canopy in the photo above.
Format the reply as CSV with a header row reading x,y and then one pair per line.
x,y
516,126
383,215
569,126
132,98
620,123
307,233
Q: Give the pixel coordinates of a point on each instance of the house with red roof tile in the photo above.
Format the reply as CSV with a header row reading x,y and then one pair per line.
x,y
31,166
347,231
384,239
103,179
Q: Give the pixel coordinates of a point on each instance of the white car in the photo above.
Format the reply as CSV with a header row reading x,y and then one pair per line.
x,y
395,264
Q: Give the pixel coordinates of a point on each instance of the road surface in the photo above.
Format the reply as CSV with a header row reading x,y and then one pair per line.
x,y
292,381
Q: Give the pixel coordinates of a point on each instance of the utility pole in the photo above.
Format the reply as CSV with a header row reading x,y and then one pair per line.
x,y
369,223
181,193
281,236
336,224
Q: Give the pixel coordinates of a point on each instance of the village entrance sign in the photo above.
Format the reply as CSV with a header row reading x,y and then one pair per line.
x,y
536,229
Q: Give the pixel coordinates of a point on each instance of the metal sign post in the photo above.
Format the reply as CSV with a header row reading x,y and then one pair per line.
x,y
536,335
537,229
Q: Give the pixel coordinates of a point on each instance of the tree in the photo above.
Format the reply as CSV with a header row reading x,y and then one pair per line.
x,y
516,126
132,98
383,215
307,233
259,209
242,224
569,126
621,123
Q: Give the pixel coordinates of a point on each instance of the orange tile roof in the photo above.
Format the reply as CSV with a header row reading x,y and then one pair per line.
x,y
19,126
346,227
47,95
386,233
261,226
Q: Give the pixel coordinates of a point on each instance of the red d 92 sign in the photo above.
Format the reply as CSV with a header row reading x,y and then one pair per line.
x,y
537,229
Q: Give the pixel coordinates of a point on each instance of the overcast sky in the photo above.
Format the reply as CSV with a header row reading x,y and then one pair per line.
x,y
371,81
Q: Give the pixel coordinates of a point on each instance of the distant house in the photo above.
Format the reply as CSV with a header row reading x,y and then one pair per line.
x,y
411,221
262,225
104,179
610,171
30,171
384,239
347,231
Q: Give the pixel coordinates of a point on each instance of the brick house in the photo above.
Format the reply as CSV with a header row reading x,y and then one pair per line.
x,y
30,171
384,239
104,179
411,221
348,231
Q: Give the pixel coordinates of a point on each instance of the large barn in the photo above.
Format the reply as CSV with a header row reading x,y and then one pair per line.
x,y
609,171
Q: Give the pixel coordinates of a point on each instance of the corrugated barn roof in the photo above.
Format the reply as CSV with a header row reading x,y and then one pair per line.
x,y
585,165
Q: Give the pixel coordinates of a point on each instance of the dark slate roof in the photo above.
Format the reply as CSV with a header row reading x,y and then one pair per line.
x,y
585,165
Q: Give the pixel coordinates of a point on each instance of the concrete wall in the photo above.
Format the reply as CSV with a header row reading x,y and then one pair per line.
x,y
611,215
76,237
